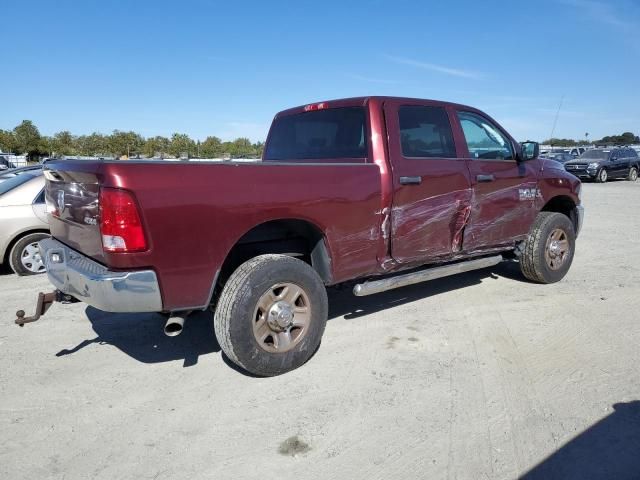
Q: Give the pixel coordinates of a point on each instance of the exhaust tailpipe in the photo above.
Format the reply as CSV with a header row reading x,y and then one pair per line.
x,y
175,324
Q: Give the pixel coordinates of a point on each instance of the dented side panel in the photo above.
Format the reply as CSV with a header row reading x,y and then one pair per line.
x,y
427,217
503,210
430,227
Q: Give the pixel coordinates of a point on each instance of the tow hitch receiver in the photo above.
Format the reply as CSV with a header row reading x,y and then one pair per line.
x,y
45,300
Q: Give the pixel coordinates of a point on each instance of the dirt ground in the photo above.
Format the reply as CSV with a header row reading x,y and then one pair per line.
x,y
477,376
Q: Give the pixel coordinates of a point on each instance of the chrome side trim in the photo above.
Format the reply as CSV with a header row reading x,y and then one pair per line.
x,y
377,286
95,285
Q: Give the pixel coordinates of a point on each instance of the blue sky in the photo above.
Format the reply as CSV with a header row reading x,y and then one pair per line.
x,y
225,68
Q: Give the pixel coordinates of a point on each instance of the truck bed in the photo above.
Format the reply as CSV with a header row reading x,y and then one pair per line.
x,y
194,213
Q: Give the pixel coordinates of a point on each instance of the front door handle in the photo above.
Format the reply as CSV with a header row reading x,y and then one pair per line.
x,y
410,180
485,178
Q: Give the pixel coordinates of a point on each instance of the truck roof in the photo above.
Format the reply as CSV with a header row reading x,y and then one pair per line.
x,y
357,101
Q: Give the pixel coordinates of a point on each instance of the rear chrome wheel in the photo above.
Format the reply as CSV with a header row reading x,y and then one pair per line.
x,y
271,314
633,174
282,317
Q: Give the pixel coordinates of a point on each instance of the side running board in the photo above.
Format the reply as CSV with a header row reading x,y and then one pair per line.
x,y
377,286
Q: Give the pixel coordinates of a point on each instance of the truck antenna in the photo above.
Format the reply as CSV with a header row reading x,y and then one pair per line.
x,y
555,121
553,130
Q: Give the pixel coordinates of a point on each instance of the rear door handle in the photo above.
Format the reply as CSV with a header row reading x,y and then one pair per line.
x,y
410,180
485,178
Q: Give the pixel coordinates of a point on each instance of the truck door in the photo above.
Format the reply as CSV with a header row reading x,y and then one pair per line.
x,y
504,190
431,186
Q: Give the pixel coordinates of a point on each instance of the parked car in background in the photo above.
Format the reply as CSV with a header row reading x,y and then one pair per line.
x,y
23,221
601,164
5,164
575,151
7,174
558,157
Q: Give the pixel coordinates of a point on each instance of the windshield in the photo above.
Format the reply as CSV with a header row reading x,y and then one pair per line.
x,y
13,182
595,154
322,134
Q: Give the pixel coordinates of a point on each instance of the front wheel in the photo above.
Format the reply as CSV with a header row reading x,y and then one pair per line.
x,y
271,314
633,174
602,176
548,251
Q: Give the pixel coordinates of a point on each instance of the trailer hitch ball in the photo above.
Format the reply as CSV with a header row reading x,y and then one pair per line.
x,y
45,300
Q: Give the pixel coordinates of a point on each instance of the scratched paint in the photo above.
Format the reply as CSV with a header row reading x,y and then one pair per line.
x,y
495,217
430,227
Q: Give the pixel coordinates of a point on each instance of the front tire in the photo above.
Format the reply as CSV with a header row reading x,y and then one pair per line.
x,y
25,258
271,314
548,251
602,176
633,174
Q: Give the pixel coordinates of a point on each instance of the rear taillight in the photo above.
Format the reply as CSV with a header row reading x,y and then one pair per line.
x,y
120,223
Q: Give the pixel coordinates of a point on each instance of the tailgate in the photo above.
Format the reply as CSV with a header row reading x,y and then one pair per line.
x,y
72,192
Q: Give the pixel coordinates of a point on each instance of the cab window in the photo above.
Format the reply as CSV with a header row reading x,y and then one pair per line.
x,y
425,132
484,140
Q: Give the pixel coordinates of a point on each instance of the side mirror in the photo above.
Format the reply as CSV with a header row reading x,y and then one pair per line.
x,y
529,150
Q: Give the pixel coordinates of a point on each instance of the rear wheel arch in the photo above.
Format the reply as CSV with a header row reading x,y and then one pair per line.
x,y
290,236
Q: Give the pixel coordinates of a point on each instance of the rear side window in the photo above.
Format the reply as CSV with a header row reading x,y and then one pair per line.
x,y
484,140
425,132
322,134
15,182
633,153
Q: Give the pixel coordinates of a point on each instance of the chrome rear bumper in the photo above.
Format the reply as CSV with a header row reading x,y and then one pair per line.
x,y
94,284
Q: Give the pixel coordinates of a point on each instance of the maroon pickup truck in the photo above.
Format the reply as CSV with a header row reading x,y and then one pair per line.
x,y
367,189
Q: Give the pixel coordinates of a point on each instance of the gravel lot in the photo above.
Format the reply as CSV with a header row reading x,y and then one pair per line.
x,y
477,376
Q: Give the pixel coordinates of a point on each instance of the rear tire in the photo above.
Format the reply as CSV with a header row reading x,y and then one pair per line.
x,y
633,174
548,251
24,257
271,314
602,176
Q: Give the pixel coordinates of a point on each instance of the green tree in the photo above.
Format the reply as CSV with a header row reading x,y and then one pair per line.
x,y
211,148
94,144
561,142
8,141
259,148
125,143
156,146
64,143
181,144
627,138
241,148
28,139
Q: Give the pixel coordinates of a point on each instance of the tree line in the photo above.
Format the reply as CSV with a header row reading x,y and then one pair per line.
x,y
26,139
627,138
